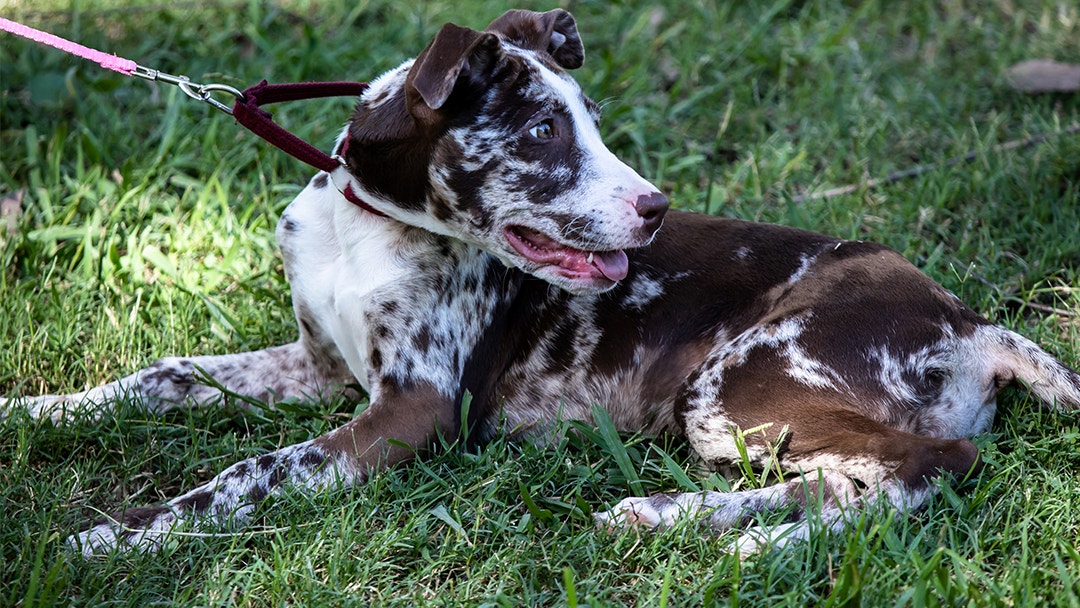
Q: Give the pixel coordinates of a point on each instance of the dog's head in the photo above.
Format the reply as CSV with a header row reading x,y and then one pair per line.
x,y
484,137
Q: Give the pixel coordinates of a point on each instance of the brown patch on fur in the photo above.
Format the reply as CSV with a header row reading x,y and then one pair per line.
x,y
414,415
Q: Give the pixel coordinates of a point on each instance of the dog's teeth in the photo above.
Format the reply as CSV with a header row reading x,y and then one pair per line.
x,y
589,259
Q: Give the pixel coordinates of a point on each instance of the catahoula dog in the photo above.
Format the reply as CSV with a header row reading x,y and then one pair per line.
x,y
512,257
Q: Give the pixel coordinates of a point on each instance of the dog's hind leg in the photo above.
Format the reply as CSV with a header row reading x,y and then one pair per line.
x,y
828,491
841,463
264,376
812,425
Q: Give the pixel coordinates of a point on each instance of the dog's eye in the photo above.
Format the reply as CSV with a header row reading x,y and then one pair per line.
x,y
544,129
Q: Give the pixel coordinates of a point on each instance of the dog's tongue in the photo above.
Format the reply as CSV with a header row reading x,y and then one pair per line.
x,y
534,246
613,264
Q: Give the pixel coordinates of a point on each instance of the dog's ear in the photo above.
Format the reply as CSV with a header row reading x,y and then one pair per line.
x,y
456,53
553,32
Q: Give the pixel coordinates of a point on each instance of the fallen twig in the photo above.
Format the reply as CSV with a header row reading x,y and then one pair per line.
x,y
1049,309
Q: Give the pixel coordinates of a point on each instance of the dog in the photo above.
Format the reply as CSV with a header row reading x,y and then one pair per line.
x,y
497,249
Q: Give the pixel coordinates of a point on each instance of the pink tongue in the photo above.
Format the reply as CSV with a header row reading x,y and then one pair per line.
x,y
613,264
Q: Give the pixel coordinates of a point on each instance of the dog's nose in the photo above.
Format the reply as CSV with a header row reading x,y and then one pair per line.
x,y
651,209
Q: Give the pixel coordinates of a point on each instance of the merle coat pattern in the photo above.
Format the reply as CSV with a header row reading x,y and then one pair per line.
x,y
519,260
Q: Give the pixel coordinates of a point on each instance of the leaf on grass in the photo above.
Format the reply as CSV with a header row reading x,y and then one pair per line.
x,y
1044,76
440,513
10,210
615,448
540,514
685,483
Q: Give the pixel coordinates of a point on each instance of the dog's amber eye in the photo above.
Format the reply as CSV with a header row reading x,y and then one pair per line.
x,y
543,130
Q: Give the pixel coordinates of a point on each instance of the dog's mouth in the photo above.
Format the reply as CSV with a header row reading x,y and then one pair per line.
x,y
568,262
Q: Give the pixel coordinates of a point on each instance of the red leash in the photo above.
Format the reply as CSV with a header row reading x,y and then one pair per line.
x,y
247,112
246,109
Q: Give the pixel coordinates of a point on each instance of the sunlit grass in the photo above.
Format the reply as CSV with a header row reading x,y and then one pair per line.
x,y
146,228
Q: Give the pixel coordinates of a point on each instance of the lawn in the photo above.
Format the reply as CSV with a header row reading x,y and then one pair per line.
x,y
137,222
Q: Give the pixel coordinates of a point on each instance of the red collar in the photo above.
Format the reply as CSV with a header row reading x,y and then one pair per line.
x,y
348,191
352,198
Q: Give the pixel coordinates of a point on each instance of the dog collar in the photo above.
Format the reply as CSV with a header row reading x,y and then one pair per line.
x,y
352,198
340,175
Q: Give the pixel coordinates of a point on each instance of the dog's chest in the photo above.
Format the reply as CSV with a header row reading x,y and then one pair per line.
x,y
398,304
336,258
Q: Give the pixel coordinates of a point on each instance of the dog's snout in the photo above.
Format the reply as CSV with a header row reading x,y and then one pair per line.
x,y
651,209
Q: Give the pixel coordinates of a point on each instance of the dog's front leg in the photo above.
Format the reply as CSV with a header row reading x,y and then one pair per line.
x,y
298,370
418,349
411,416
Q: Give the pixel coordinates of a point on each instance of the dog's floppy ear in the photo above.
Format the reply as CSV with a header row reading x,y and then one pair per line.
x,y
455,53
553,32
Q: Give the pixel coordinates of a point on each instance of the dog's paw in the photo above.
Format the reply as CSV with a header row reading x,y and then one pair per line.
x,y
100,539
52,407
143,530
634,512
7,408
757,539
656,511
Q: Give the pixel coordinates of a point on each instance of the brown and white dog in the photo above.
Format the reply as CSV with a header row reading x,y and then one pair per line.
x,y
520,261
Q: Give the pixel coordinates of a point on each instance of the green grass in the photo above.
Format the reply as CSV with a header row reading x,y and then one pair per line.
x,y
147,229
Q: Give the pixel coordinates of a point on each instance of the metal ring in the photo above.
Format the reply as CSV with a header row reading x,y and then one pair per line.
x,y
206,89
193,90
186,86
202,93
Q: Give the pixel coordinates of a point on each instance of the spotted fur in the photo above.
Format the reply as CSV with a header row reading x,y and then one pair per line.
x,y
520,262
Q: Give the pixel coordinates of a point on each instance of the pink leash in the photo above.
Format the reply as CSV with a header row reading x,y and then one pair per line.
x,y
105,60
245,109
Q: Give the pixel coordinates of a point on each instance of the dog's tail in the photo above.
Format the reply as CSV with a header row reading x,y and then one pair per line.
x,y
1017,359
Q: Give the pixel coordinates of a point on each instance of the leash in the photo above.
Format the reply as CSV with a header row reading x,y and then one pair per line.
x,y
246,108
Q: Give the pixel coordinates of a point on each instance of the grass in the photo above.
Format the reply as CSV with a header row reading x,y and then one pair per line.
x,y
146,228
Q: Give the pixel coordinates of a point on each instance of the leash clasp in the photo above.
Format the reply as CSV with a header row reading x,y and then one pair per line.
x,y
194,90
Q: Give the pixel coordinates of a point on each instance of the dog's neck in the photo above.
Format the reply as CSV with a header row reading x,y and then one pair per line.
x,y
348,192
388,157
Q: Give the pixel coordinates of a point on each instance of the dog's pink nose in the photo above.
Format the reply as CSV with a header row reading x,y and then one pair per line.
x,y
651,209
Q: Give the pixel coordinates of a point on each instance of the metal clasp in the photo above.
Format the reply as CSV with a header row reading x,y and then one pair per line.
x,y
194,90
